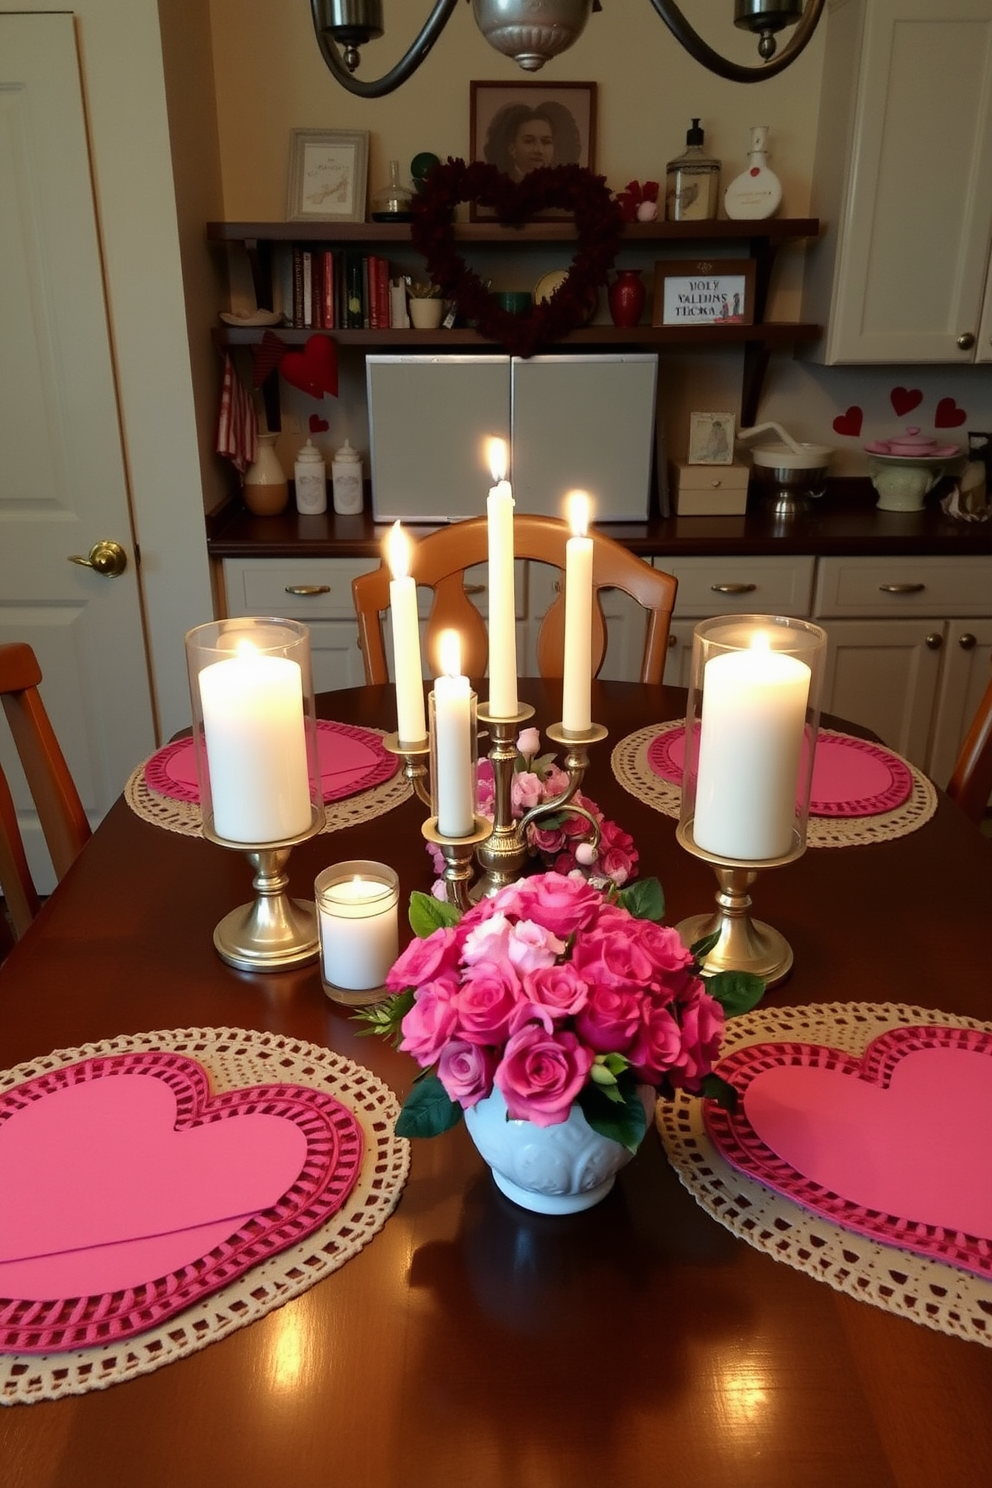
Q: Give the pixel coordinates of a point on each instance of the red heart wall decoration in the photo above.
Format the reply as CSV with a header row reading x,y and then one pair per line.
x,y
948,415
849,422
318,425
313,370
904,400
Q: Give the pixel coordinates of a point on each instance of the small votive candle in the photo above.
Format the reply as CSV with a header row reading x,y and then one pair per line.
x,y
358,926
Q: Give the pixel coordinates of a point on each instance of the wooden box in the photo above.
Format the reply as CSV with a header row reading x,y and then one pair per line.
x,y
709,490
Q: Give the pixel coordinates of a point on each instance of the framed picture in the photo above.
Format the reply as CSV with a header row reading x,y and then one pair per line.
x,y
328,175
705,291
520,126
711,439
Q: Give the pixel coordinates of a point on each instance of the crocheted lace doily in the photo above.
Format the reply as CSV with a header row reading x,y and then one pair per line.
x,y
930,1291
185,816
633,770
234,1058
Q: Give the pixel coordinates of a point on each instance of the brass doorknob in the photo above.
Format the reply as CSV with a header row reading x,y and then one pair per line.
x,y
107,557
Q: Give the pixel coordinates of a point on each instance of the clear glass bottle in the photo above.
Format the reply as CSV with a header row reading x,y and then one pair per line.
x,y
692,181
393,201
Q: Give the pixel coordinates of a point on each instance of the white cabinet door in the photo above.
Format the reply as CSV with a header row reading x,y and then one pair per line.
x,y
883,675
903,177
963,678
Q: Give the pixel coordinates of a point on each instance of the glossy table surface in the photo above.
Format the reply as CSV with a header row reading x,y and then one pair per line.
x,y
472,1344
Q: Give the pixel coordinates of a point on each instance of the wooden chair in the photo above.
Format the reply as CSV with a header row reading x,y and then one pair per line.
x,y
971,781
55,797
439,562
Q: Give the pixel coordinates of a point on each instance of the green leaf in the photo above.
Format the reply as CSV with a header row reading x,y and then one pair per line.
x,y
618,1115
644,899
428,914
736,991
385,1017
428,1110
702,948
721,1091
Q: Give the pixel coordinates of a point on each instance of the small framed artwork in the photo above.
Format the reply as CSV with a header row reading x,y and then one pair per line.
x,y
711,439
705,291
519,127
328,175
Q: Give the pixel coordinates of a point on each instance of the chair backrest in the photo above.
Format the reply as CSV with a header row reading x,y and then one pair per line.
x,y
56,800
971,781
439,562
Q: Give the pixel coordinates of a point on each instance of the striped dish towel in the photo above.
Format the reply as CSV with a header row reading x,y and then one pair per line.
x,y
236,427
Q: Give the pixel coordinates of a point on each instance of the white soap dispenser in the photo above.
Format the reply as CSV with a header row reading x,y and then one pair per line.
x,y
756,192
346,474
310,475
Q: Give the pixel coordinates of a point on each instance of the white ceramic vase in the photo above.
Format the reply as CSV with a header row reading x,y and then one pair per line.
x,y
549,1169
426,314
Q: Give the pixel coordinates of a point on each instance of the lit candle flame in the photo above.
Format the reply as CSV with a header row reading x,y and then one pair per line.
x,y
761,641
577,506
245,648
496,454
398,551
449,649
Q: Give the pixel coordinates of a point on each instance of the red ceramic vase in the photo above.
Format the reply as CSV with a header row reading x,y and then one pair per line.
x,y
626,296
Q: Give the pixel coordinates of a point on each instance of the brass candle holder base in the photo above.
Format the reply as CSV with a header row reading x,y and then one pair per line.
x,y
744,944
275,932
459,854
416,758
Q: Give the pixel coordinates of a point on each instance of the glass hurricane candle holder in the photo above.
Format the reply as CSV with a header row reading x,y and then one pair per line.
x,y
750,736
359,932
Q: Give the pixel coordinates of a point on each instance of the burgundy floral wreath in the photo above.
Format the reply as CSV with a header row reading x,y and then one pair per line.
x,y
598,225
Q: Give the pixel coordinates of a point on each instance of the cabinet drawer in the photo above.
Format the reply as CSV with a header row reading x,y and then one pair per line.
x,y
278,586
728,586
904,586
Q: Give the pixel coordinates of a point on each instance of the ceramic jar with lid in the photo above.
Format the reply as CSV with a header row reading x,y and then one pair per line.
x,y
346,478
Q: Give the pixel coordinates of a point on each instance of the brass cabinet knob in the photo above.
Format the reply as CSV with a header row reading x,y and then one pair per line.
x,y
935,640
107,557
966,341
967,642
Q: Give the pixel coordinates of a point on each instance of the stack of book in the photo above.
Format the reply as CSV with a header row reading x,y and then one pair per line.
x,y
340,289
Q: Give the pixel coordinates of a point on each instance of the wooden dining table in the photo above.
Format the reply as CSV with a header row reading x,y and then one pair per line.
x,y
471,1343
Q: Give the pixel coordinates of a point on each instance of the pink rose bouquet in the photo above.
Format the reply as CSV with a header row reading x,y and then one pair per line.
x,y
555,992
558,840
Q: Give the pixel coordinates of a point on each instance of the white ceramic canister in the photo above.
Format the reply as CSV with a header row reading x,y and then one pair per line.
x,y
310,474
346,478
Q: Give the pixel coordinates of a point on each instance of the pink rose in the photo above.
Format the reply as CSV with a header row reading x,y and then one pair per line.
x,y
532,946
558,988
423,960
525,791
656,1046
614,958
488,941
546,840
664,945
562,905
702,1020
616,865
610,1020
466,1071
528,742
486,1001
429,1024
540,1074
555,782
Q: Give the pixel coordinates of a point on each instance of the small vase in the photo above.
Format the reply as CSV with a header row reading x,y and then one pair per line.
x,y
266,489
549,1169
627,296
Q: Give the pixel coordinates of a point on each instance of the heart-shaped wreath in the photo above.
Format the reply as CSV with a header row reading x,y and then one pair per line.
x,y
598,225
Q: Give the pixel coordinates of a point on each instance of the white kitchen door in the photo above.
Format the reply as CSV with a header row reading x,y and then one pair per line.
x,y
63,485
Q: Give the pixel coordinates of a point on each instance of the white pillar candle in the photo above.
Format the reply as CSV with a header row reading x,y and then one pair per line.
x,y
359,933
502,600
750,745
410,717
256,747
454,788
576,708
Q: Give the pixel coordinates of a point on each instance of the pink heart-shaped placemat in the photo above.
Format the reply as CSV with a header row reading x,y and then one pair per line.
x,y
128,1191
896,1145
352,759
851,777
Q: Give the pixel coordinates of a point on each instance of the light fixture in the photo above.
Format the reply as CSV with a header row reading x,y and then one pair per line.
x,y
532,31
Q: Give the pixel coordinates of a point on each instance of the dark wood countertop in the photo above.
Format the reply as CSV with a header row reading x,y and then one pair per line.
x,y
842,523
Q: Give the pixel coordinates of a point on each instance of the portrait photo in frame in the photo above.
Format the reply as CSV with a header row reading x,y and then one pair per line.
x,y
711,439
519,127
706,291
328,175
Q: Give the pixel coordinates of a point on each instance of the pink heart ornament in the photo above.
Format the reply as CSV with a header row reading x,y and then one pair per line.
x,y
896,1145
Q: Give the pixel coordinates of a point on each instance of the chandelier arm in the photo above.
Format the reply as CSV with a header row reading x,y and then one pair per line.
x,y
405,67
733,71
